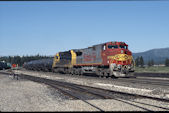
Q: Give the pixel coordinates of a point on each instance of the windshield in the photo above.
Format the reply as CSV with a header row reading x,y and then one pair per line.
x,y
112,46
123,47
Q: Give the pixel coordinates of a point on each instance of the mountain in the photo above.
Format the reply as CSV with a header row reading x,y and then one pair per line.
x,y
158,55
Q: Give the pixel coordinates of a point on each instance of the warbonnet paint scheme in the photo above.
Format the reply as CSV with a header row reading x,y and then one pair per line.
x,y
106,59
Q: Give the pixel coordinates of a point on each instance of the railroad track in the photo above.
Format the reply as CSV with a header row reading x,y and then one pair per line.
x,y
144,81
86,92
147,80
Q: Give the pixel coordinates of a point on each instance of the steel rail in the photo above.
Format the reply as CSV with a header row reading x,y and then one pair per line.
x,y
132,80
82,86
87,89
72,92
94,91
145,81
90,88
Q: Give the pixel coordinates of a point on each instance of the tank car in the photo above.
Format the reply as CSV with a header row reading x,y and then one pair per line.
x,y
106,59
39,65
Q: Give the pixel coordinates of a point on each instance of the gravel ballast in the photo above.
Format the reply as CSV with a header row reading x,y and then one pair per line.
x,y
111,84
23,95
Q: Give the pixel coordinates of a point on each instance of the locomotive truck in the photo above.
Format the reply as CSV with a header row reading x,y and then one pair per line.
x,y
106,59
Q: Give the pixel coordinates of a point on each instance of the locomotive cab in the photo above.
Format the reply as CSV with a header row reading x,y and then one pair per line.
x,y
119,59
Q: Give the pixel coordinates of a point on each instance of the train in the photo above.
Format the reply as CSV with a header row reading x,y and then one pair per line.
x,y
110,59
39,65
4,65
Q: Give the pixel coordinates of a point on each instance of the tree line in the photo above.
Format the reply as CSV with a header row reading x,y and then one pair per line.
x,y
20,60
139,62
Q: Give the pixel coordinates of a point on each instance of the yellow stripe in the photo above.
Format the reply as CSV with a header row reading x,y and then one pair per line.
x,y
120,57
73,61
56,60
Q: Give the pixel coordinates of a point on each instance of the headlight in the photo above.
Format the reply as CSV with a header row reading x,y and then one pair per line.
x,y
119,66
129,66
114,65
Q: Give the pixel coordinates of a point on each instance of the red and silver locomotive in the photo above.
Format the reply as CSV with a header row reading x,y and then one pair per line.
x,y
106,59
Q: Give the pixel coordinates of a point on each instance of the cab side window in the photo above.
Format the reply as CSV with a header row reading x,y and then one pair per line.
x,y
112,46
115,46
124,47
56,57
79,53
104,47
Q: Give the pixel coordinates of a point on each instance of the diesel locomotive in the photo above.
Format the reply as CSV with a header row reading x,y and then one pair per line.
x,y
106,59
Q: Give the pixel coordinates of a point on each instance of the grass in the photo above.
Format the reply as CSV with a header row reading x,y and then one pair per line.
x,y
152,69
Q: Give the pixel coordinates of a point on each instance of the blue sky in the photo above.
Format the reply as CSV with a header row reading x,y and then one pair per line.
x,y
29,28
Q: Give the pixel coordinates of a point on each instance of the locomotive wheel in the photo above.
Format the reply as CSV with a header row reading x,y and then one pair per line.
x,y
69,70
76,71
72,72
100,73
66,71
55,70
80,72
46,70
105,74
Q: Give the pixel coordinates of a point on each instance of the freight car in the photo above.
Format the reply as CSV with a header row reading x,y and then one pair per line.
x,y
4,65
106,59
39,65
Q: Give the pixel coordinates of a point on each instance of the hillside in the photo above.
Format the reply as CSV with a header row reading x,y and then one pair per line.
x,y
158,55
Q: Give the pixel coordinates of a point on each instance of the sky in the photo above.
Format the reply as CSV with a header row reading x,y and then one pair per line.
x,y
48,27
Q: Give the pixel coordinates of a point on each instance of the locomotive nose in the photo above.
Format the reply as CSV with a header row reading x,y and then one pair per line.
x,y
121,57
124,51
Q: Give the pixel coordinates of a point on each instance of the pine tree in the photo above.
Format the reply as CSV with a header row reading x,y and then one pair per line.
x,y
149,63
152,62
167,62
137,61
141,61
